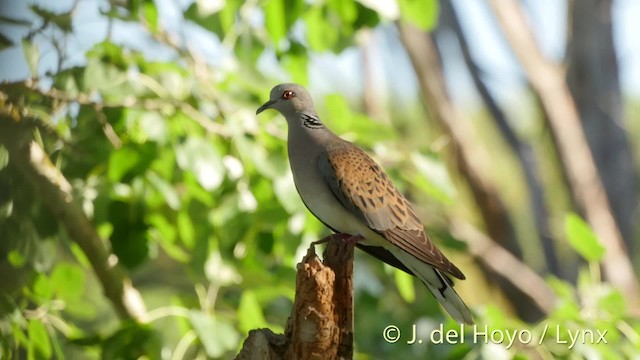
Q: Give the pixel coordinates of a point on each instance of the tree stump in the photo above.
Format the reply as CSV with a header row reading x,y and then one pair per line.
x,y
321,322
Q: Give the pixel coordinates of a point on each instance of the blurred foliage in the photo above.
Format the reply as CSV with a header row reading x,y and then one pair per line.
x,y
194,194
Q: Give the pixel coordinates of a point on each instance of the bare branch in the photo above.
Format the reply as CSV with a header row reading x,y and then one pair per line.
x,y
523,151
549,83
504,264
471,159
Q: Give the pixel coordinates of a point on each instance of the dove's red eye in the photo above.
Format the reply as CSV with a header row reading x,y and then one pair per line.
x,y
287,94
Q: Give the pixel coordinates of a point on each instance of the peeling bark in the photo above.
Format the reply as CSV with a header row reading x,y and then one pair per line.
x,y
321,322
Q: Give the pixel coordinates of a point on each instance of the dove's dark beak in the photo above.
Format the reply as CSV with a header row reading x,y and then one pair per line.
x,y
265,106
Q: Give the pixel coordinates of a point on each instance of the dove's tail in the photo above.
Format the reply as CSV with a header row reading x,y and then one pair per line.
x,y
440,286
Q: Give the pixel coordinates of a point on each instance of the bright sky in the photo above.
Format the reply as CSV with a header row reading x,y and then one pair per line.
x,y
328,72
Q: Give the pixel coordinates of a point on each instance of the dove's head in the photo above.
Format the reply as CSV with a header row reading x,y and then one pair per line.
x,y
289,99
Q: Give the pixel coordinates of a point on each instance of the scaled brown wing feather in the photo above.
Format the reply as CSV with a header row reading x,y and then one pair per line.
x,y
365,189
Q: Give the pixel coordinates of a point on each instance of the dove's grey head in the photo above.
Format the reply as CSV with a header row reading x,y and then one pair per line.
x,y
290,100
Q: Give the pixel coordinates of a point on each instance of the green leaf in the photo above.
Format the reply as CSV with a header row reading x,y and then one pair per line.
x,y
561,288
166,230
404,283
31,55
167,190
42,287
296,62
421,13
132,341
347,10
5,42
216,20
129,239
154,126
250,315
321,35
217,336
186,230
582,239
16,259
68,281
40,346
367,18
63,20
210,7
344,120
150,13
613,303
4,157
275,20
120,162
433,178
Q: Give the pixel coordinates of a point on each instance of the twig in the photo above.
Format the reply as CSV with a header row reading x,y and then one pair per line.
x,y
507,266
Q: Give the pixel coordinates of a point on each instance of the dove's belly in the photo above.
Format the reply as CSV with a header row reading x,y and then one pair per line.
x,y
319,199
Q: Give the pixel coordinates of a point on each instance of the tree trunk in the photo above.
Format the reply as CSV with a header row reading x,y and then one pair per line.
x,y
321,321
522,151
547,79
594,83
471,160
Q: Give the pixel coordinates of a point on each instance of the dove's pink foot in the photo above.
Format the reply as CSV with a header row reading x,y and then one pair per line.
x,y
350,239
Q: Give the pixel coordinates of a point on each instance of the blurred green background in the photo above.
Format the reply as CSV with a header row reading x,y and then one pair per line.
x,y
147,109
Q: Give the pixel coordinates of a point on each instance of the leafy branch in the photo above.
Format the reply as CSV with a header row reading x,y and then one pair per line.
x,y
56,192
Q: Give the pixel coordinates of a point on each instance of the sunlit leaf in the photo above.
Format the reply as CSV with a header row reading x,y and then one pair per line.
x,y
39,340
121,161
209,7
347,10
320,35
344,121
421,13
296,63
203,159
217,336
154,126
16,259
613,303
32,55
275,19
433,178
404,283
166,189
186,229
219,272
582,239
250,315
42,287
68,281
150,13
